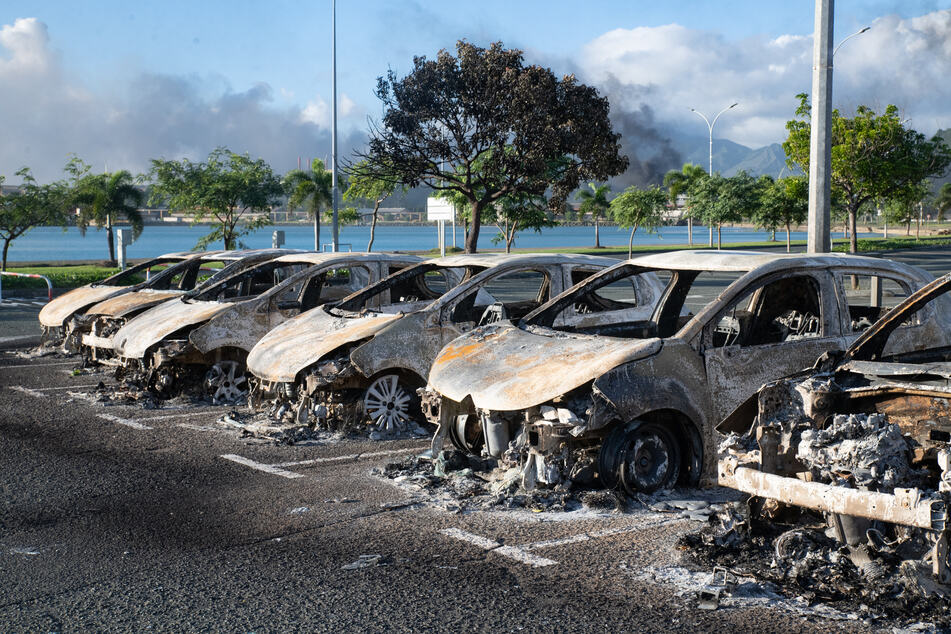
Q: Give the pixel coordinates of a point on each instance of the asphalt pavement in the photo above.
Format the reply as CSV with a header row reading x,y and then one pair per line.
x,y
118,518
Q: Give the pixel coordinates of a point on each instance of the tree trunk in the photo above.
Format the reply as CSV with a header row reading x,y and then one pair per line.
x,y
376,209
918,228
772,235
718,236
853,241
317,229
6,246
711,236
630,243
112,244
788,242
689,231
597,234
908,227
472,237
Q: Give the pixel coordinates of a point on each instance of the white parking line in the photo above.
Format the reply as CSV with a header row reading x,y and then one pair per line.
x,y
522,553
37,365
123,421
266,468
195,427
511,552
64,387
182,415
355,456
26,390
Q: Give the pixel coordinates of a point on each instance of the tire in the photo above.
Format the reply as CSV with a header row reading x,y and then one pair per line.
x,y
467,436
641,457
391,403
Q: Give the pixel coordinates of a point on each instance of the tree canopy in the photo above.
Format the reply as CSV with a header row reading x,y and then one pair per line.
x,y
873,156
636,207
227,189
311,190
782,202
32,205
484,124
716,200
519,212
367,184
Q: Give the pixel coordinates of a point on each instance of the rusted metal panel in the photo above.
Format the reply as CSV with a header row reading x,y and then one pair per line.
x,y
135,338
908,507
60,309
129,302
299,342
507,368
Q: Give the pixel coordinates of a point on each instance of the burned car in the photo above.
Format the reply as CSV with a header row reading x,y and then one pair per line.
x,y
96,327
56,315
363,359
864,437
632,403
208,333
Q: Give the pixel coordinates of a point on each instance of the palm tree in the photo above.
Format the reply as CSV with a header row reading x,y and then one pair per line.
x,y
679,182
596,203
102,198
311,189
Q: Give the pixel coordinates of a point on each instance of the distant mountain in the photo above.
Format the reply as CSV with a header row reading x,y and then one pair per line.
x,y
729,157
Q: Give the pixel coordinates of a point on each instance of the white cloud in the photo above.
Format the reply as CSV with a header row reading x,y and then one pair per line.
x,y
49,115
318,112
27,42
672,68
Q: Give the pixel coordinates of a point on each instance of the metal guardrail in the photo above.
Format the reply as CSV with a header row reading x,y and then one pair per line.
x,y
49,285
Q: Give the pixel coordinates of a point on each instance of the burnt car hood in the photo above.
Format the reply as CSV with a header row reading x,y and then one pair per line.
x,y
60,309
506,368
126,303
299,342
153,325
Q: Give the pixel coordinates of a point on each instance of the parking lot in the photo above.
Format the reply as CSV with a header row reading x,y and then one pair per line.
x,y
116,517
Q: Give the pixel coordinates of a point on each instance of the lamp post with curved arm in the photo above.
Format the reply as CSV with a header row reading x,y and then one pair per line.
x,y
710,125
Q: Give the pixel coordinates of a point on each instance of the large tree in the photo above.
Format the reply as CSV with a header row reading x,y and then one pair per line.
x,y
365,184
486,125
104,198
636,207
717,199
30,205
227,188
311,190
595,201
782,202
873,156
678,182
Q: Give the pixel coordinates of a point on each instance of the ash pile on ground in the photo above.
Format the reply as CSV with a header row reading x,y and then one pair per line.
x,y
462,483
798,560
131,389
40,351
263,426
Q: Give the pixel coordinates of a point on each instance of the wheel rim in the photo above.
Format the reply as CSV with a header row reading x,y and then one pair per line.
x,y
466,434
651,460
388,404
226,382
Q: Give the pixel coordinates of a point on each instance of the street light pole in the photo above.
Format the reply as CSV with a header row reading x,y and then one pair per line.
x,y
710,125
820,143
333,133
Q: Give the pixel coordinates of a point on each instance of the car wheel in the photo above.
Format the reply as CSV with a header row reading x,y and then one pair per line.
x,y
465,432
226,382
391,403
650,459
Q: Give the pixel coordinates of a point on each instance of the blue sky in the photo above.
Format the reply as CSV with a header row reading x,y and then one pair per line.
x,y
121,82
